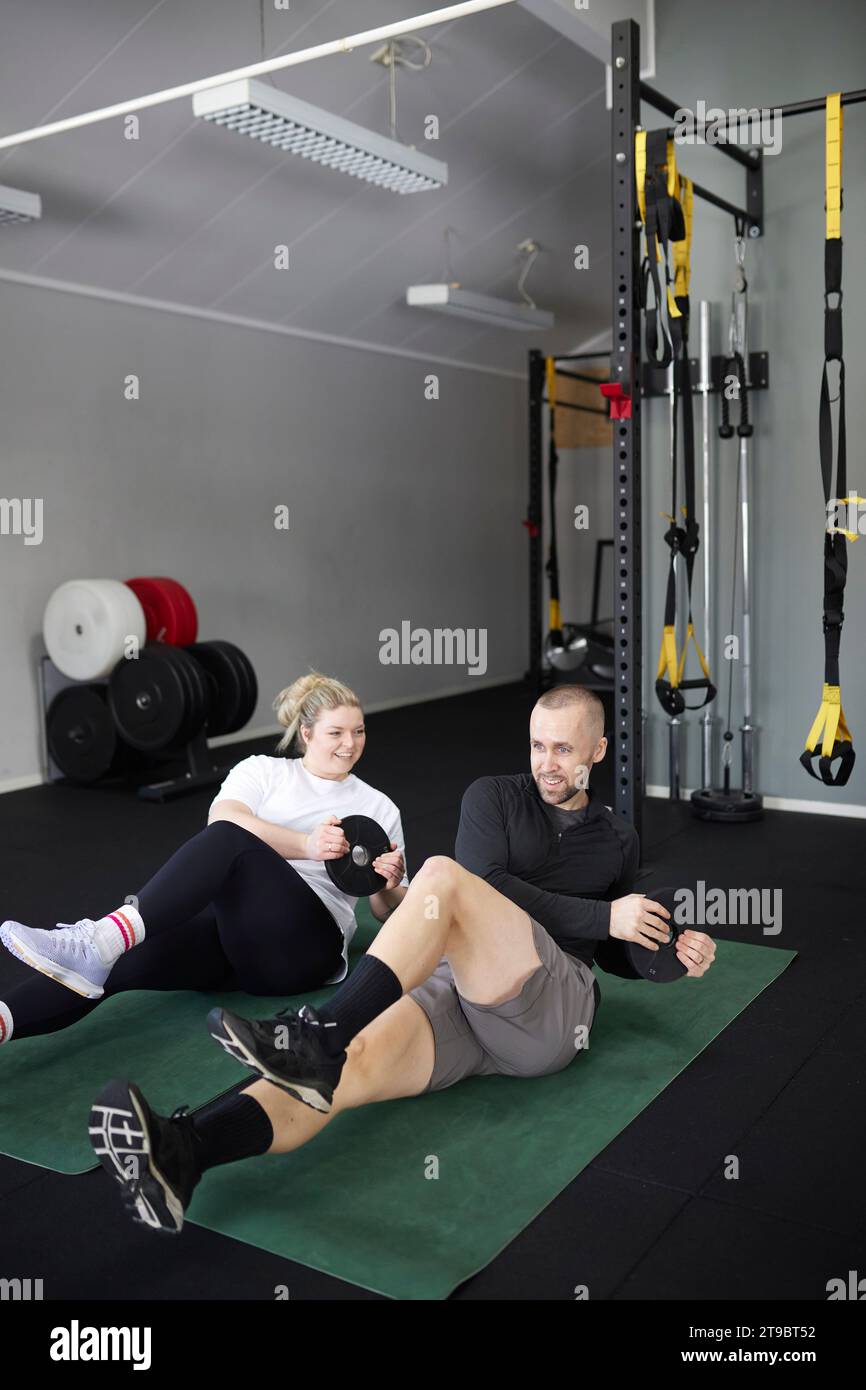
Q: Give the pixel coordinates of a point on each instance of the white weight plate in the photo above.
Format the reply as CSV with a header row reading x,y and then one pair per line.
x,y
86,624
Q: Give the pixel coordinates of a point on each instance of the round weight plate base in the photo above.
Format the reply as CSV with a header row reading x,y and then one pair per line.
x,y
733,806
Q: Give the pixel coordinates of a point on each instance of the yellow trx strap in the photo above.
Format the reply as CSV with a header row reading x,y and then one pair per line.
x,y
683,249
640,172
833,166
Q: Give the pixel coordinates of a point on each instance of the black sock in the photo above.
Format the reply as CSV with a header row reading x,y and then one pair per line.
x,y
371,988
229,1128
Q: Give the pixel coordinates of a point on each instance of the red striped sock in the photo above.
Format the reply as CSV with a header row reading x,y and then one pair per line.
x,y
118,932
6,1028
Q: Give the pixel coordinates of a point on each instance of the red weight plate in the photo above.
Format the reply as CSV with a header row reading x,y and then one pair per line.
x,y
169,609
158,609
187,618
191,626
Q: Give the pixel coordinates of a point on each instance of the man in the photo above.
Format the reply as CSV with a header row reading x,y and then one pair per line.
x,y
483,967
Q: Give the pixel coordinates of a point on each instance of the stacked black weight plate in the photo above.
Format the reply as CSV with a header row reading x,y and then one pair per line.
x,y
81,736
232,684
159,699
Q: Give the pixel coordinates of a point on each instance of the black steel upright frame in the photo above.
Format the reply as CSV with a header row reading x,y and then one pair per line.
x,y
627,740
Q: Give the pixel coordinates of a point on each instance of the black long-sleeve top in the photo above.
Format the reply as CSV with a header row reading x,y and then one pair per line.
x,y
565,879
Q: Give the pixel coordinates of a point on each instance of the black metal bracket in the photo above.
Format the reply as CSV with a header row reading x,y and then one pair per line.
x,y
655,380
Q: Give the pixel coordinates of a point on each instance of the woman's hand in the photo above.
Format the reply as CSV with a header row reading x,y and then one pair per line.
x,y
640,919
696,951
327,841
391,867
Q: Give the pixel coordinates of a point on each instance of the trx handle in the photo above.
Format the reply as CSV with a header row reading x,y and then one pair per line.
x,y
830,725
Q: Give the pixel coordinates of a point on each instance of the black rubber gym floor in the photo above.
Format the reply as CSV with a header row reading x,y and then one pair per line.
x,y
653,1217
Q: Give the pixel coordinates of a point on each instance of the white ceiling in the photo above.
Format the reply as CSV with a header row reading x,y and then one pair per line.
x,y
191,214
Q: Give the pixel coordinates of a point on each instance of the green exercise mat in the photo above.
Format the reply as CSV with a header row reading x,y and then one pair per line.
x,y
407,1198
158,1040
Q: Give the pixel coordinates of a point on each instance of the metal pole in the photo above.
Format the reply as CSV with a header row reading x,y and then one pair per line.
x,y
675,726
746,728
704,386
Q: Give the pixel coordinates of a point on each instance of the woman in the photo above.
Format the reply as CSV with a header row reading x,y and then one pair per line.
x,y
247,903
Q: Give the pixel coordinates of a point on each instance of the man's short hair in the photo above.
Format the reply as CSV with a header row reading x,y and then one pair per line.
x,y
589,707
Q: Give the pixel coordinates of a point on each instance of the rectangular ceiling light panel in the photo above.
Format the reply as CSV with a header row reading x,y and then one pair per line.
x,y
498,313
278,119
18,206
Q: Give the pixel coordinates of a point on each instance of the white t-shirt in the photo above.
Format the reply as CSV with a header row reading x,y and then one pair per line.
x,y
282,791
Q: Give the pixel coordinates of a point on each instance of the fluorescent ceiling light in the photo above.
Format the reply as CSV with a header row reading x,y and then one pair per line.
x,y
278,119
17,206
497,313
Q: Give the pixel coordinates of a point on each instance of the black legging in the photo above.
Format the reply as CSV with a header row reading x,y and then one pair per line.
x,y
225,912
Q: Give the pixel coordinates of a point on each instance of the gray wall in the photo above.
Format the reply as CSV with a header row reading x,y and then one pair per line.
x,y
744,55
401,508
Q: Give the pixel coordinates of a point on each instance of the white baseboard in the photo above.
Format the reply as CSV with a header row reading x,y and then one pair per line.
x,y
783,803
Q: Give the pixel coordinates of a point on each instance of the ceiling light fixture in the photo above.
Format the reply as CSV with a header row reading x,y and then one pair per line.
x,y
497,313
451,298
18,206
287,123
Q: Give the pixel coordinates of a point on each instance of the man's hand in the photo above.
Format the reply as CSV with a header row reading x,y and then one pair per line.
x,y
696,951
640,919
390,866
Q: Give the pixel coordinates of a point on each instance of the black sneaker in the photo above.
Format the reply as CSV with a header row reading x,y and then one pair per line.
x,y
286,1049
153,1158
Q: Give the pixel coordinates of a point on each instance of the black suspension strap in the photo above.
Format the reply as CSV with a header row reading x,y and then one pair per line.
x,y
836,741
682,538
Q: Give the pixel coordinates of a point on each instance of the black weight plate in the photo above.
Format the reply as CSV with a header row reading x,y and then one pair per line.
x,y
200,703
169,655
717,805
81,736
197,693
249,684
148,699
227,685
660,967
353,872
248,707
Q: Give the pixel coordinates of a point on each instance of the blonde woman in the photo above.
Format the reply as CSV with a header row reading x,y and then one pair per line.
x,y
247,903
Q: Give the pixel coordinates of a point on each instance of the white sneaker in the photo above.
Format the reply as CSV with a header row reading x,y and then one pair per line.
x,y
67,954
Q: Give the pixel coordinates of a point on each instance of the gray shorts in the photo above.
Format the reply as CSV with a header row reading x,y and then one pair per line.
x,y
530,1035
